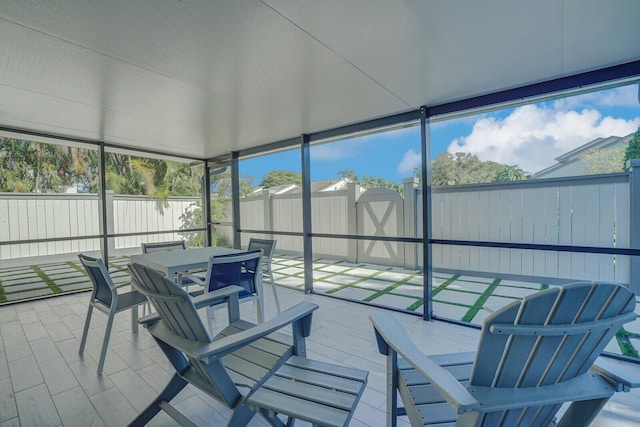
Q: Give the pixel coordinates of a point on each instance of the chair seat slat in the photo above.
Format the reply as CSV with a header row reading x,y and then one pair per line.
x,y
300,408
413,377
314,393
317,378
330,368
244,367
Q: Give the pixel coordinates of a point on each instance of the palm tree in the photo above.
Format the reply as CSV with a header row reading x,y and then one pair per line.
x,y
510,173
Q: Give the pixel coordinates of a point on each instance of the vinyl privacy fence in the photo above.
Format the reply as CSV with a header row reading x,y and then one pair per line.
x,y
577,211
25,217
593,211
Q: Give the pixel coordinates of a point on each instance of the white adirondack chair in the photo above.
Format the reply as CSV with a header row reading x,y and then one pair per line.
x,y
249,368
533,356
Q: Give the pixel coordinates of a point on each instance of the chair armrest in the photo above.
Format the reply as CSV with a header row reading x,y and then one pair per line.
x,y
623,375
198,280
301,312
226,345
121,285
588,386
209,298
149,319
199,302
391,334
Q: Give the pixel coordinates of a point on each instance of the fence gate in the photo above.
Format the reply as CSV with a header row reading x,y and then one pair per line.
x,y
380,212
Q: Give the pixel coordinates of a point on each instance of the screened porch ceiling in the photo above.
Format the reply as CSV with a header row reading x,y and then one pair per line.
x,y
202,78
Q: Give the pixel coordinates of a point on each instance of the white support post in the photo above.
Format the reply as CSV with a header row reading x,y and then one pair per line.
x,y
353,191
410,226
268,212
634,225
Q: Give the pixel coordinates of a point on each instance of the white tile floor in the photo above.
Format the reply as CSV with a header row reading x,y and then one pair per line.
x,y
44,382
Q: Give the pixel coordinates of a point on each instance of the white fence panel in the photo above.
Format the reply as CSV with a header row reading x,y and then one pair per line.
x,y
42,216
136,214
622,232
252,213
329,214
287,216
580,211
49,216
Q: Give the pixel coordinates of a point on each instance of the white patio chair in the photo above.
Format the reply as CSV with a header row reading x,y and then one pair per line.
x,y
105,298
268,248
182,279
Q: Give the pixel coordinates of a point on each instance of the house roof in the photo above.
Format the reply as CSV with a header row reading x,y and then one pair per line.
x,y
578,152
596,144
328,184
204,78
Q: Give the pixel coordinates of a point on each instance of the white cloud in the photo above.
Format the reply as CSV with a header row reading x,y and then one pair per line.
x,y
624,96
334,151
533,136
357,146
409,162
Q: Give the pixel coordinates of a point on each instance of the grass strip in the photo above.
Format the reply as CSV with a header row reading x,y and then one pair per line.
x,y
445,284
477,306
341,287
627,349
46,279
77,267
3,295
413,307
389,289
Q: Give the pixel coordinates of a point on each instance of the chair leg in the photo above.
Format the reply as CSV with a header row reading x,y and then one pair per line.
x,y
209,311
582,413
170,391
275,291
260,301
146,309
105,341
86,329
241,415
134,319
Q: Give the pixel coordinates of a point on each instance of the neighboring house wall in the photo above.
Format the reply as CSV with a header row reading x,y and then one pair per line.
x,y
574,168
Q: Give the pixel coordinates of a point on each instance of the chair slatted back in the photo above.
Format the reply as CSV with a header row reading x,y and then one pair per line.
x,y
547,338
178,313
235,269
103,287
172,303
176,245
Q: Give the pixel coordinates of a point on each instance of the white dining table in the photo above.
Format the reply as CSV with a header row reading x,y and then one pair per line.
x,y
172,262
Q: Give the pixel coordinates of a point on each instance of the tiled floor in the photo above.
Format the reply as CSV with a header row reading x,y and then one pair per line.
x,y
457,296
44,382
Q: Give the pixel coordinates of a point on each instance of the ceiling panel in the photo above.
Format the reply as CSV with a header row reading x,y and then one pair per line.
x,y
203,77
600,32
437,51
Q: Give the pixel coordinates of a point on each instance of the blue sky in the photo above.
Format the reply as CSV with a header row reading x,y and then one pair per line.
x,y
529,136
